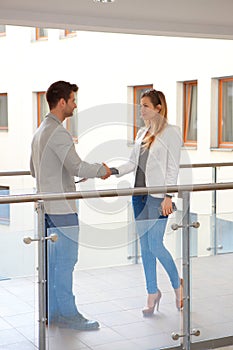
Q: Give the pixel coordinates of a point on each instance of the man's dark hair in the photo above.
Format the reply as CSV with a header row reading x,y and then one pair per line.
x,y
59,89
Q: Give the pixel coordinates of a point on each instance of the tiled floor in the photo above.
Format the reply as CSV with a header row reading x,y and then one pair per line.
x,y
115,296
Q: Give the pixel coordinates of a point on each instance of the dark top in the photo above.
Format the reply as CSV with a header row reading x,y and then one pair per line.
x,y
140,180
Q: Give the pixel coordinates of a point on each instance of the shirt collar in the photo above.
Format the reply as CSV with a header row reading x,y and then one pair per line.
x,y
52,116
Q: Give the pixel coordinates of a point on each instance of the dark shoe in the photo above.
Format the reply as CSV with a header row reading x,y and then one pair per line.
x,y
77,322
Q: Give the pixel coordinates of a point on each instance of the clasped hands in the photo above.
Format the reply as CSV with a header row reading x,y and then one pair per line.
x,y
108,172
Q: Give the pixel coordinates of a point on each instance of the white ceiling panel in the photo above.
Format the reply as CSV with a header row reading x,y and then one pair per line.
x,y
197,18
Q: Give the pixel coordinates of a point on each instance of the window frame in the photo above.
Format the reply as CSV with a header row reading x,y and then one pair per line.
x,y
69,33
186,113
222,144
5,128
135,89
38,95
40,37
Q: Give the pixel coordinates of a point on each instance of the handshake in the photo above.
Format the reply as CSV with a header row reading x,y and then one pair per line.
x,y
109,172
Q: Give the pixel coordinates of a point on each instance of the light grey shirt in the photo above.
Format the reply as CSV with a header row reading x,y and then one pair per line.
x,y
54,163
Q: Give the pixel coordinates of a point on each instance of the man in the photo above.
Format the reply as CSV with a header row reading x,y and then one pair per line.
x,y
54,163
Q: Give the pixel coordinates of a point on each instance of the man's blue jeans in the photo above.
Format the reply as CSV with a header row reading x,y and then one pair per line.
x,y
61,259
151,228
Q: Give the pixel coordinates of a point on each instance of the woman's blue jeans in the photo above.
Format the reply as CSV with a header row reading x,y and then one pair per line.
x,y
150,226
62,256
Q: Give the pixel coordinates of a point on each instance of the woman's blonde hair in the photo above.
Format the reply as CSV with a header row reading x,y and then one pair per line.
x,y
157,125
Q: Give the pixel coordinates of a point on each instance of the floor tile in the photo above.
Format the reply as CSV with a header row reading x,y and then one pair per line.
x,y
115,297
10,336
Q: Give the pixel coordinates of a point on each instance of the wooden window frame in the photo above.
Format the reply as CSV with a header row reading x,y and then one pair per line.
x,y
191,83
5,128
38,95
38,36
135,89
69,33
222,144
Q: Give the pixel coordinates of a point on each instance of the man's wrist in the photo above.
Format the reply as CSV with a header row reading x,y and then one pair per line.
x,y
168,195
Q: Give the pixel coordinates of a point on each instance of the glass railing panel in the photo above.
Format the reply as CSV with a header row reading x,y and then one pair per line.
x,y
224,232
18,287
110,289
222,222
211,281
214,235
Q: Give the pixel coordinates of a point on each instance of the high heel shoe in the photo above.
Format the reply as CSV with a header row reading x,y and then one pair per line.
x,y
179,296
148,312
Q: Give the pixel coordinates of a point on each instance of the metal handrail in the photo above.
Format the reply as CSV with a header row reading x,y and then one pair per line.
x,y
205,165
15,173
114,192
182,166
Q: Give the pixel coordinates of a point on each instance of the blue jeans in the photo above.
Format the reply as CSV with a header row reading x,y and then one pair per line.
x,y
61,259
151,228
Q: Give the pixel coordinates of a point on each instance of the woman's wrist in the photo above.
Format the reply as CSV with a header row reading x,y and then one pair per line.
x,y
114,171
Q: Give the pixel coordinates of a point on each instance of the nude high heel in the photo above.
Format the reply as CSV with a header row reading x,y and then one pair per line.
x,y
179,296
149,311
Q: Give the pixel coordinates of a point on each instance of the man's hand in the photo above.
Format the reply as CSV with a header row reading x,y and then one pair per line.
x,y
108,172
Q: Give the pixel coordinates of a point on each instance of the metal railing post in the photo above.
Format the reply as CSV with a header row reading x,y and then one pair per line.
x,y
214,210
186,270
136,250
41,276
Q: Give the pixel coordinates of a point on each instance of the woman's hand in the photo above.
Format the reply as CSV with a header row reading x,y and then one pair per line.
x,y
166,206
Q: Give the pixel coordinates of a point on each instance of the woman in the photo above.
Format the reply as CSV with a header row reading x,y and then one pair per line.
x,y
155,162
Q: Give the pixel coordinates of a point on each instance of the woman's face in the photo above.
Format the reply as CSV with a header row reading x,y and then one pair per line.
x,y
148,111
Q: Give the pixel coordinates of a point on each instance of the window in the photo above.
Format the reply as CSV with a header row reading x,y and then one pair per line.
x,y
4,208
3,112
137,120
42,107
70,124
190,113
41,34
68,32
225,113
2,30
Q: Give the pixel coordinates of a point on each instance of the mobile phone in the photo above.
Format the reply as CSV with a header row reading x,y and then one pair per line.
x,y
174,208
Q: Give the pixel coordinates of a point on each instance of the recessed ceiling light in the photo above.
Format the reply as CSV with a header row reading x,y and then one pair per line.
x,y
104,1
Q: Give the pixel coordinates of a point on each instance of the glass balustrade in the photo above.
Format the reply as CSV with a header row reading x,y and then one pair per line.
x,y
211,280
18,290
109,282
110,289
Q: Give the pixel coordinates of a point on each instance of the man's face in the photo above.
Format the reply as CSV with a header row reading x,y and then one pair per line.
x,y
70,106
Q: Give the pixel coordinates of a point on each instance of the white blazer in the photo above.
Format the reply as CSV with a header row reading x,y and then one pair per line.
x,y
162,165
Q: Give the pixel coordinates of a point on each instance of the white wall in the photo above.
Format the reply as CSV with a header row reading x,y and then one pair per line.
x,y
104,65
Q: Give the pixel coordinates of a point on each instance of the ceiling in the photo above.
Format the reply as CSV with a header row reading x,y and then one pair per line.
x,y
189,18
